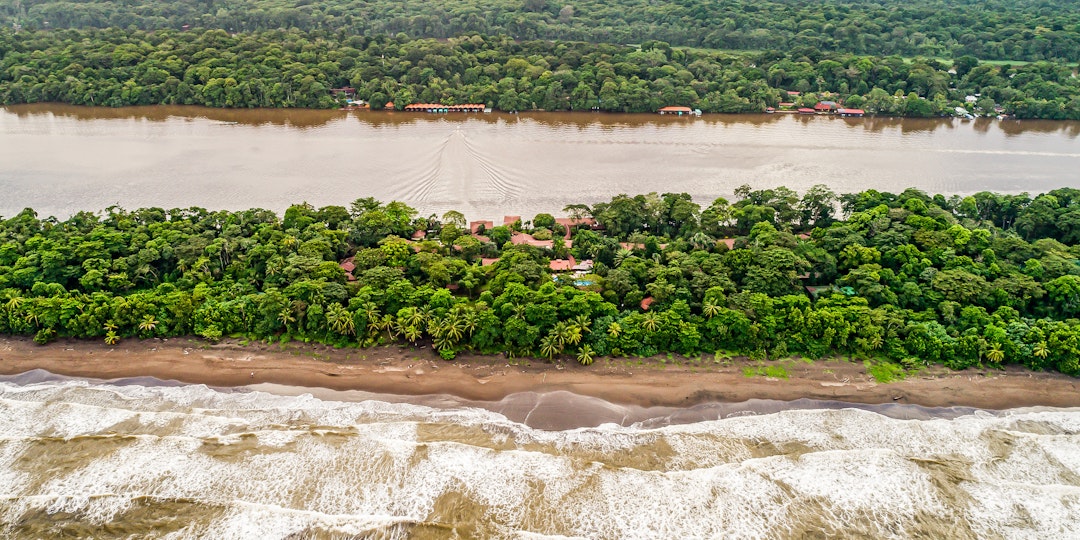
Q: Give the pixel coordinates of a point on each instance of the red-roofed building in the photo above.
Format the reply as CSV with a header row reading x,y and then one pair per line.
x,y
488,262
851,112
729,242
805,110
419,235
825,106
787,104
427,107
793,93
348,266
570,223
646,302
474,226
389,105
675,110
509,220
527,239
560,265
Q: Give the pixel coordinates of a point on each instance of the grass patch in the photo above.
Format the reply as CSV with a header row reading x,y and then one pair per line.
x,y
775,372
885,372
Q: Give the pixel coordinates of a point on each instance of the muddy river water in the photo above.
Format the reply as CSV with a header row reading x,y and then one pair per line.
x,y
59,159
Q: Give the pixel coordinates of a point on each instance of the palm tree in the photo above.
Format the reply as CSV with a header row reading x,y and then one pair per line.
x,y
442,342
285,316
371,313
148,323
572,334
621,256
13,303
415,317
453,328
1041,350
340,319
412,333
995,354
109,326
583,322
710,309
387,324
614,329
585,355
701,240
650,322
549,346
469,321
111,338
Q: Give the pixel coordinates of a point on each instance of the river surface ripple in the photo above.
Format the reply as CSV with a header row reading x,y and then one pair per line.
x,y
59,159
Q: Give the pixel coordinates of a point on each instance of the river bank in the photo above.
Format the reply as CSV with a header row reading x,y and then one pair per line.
x,y
675,382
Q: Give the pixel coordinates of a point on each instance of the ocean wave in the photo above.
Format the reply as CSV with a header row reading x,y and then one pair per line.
x,y
86,457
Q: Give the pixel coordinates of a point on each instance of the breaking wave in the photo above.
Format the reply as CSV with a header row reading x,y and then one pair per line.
x,y
139,458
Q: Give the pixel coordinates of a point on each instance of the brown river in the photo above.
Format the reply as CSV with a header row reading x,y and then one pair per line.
x,y
59,159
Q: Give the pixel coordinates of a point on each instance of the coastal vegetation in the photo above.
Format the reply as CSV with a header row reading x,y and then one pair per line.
x,y
278,68
989,30
901,280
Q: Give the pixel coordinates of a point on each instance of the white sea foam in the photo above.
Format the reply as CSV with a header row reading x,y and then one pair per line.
x,y
264,465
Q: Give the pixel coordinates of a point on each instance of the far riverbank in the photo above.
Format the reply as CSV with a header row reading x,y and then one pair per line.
x,y
675,382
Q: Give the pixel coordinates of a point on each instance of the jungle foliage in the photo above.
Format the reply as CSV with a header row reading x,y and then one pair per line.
x,y
296,69
985,279
986,29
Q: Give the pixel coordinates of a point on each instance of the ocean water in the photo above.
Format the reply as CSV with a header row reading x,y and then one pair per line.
x,y
145,459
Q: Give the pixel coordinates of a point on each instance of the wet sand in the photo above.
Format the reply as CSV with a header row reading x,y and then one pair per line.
x,y
656,382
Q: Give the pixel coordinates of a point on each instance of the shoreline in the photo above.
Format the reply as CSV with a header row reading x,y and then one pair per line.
x,y
418,372
227,113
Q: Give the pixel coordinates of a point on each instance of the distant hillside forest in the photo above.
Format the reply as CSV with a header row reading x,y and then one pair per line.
x,y
117,67
986,29
901,280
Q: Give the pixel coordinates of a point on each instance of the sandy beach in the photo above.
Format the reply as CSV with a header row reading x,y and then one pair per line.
x,y
660,381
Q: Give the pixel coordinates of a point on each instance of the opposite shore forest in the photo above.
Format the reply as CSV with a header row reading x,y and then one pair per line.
x,y
899,280
919,59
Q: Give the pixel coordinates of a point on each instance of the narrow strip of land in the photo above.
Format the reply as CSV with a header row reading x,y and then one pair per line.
x,y
650,382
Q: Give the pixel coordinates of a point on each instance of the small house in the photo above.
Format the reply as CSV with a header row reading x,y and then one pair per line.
x,y
806,110
474,226
851,113
675,110
561,265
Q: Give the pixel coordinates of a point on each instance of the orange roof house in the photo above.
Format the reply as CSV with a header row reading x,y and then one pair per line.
x,y
527,239
560,265
675,110
570,223
348,266
474,226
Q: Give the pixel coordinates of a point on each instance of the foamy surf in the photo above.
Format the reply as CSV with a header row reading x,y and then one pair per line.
x,y
130,459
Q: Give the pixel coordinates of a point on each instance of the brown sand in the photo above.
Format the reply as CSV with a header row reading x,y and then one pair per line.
x,y
411,371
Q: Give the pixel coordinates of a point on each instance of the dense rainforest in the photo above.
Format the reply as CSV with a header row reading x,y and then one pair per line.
x,y
278,68
904,278
986,29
